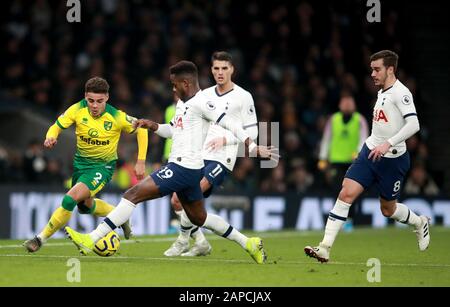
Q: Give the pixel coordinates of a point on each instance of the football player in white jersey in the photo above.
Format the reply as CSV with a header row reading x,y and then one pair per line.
x,y
219,160
183,173
382,161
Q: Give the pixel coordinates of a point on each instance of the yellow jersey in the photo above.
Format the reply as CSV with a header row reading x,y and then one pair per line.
x,y
97,137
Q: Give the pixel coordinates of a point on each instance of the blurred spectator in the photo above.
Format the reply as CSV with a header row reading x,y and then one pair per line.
x,y
35,163
344,134
168,116
124,176
420,182
300,180
3,164
243,177
294,68
52,174
276,182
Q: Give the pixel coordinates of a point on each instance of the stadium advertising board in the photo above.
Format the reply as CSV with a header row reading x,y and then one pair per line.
x,y
25,210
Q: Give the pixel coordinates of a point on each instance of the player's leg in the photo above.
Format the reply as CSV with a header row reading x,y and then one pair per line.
x,y
78,193
101,208
214,173
358,177
351,189
158,184
96,179
401,213
391,173
201,246
197,215
181,244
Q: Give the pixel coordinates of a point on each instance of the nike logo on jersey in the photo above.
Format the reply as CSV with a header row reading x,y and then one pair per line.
x,y
379,115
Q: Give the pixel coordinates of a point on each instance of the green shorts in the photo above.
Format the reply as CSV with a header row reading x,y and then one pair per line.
x,y
94,178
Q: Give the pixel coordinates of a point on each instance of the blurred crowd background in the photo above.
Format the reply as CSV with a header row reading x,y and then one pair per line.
x,y
296,58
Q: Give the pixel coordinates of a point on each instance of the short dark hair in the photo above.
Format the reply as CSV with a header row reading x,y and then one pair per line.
x,y
390,58
184,68
221,56
97,85
346,93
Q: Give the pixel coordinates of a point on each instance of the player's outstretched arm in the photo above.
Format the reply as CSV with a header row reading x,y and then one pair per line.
x,y
163,130
52,136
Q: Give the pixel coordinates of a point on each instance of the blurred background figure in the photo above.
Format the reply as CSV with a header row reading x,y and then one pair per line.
x,y
35,163
169,113
420,182
295,70
345,133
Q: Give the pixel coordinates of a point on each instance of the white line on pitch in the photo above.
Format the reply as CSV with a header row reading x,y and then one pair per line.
x,y
151,240
203,259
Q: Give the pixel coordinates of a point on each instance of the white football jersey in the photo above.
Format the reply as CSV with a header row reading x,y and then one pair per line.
x,y
189,128
393,106
238,105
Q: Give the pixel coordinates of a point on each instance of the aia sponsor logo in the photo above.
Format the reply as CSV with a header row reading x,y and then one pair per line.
x,y
379,115
179,122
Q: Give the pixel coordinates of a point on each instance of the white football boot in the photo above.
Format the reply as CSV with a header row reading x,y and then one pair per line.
x,y
321,252
201,248
177,248
423,233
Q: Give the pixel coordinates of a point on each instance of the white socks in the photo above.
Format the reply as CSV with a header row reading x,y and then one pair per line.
x,y
188,229
403,215
336,218
185,226
197,234
220,227
121,213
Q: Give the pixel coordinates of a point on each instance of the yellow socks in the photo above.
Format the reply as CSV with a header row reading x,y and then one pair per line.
x,y
58,219
102,208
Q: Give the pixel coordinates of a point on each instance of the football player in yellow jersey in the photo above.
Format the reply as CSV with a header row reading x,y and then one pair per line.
x,y
97,127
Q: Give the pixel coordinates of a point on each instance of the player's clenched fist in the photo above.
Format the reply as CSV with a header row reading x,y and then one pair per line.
x,y
50,142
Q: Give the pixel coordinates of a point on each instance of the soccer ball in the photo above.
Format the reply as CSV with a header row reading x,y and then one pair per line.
x,y
108,245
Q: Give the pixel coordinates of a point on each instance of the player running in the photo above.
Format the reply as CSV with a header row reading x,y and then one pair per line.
x,y
97,127
183,173
383,160
219,159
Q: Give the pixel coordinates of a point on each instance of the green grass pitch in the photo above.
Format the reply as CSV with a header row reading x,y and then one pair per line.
x,y
141,262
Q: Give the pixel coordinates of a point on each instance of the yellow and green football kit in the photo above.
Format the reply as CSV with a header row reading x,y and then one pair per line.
x,y
95,159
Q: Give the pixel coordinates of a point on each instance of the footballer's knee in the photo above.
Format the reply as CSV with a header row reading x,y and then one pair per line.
x,y
86,206
387,207
350,191
387,212
346,195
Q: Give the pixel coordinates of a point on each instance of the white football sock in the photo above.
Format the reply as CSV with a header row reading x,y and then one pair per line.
x,y
121,213
197,234
220,227
404,215
42,238
336,218
185,226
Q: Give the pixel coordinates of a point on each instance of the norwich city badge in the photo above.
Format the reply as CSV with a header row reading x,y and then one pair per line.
x,y
107,125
